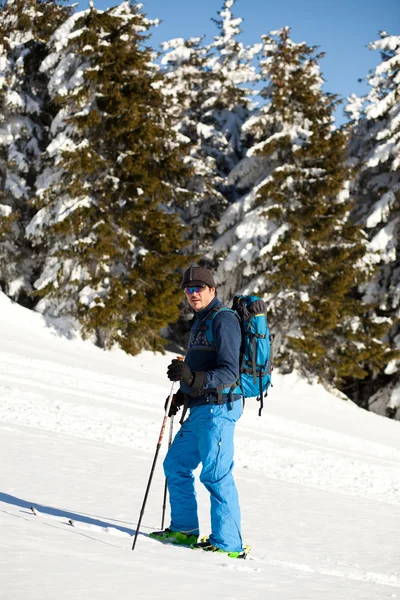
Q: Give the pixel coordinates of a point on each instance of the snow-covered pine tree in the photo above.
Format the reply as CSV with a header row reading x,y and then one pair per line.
x,y
186,88
113,168
205,85
289,238
375,154
230,101
25,27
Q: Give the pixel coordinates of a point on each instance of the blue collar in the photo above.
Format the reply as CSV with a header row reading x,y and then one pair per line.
x,y
202,313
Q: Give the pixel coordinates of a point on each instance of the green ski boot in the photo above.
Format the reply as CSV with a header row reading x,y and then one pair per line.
x,y
180,538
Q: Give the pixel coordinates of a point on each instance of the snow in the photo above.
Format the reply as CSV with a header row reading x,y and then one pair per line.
x,y
318,480
383,244
62,35
13,99
380,211
60,213
5,210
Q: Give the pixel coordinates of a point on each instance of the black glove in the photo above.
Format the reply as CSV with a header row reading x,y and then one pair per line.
x,y
178,400
179,371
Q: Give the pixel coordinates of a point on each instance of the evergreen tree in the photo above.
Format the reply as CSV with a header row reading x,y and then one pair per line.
x,y
209,104
231,64
185,77
289,237
113,169
375,154
25,27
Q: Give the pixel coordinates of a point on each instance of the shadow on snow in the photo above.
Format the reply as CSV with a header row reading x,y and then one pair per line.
x,y
57,512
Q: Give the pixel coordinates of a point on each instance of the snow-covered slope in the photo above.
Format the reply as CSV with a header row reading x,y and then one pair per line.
x,y
319,481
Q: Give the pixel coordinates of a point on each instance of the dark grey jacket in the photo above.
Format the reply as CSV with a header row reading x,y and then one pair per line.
x,y
217,362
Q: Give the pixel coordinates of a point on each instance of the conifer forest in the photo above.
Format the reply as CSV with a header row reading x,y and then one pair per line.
x,y
122,164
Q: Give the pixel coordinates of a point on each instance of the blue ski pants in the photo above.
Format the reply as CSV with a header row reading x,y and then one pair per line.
x,y
207,437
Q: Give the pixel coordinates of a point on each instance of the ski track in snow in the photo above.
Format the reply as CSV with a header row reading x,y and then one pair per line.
x,y
253,563
62,399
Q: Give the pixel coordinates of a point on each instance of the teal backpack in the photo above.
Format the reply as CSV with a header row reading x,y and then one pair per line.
x,y
256,349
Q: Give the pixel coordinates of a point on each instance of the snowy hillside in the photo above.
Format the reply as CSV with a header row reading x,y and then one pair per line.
x,y
318,478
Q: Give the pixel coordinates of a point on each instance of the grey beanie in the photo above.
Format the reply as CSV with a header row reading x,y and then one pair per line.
x,y
198,276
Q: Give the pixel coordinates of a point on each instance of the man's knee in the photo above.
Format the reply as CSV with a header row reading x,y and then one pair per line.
x,y
174,464
169,465
219,477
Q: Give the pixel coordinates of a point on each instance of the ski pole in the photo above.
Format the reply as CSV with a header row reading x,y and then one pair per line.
x,y
168,406
171,427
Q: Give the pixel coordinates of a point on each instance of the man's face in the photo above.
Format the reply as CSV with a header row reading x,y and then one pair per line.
x,y
199,296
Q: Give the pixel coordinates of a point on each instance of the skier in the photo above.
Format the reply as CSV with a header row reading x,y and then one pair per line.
x,y
208,389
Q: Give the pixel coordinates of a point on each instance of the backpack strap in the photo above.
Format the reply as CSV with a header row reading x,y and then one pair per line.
x,y
219,393
209,321
270,366
185,409
261,395
254,362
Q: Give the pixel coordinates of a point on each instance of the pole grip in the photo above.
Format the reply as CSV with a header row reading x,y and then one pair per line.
x,y
168,406
171,394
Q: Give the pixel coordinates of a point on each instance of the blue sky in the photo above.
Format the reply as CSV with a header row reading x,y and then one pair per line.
x,y
341,28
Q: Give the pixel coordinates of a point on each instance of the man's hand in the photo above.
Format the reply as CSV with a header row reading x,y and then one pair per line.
x,y
178,400
179,371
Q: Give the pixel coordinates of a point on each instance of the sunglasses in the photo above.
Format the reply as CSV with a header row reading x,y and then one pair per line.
x,y
192,289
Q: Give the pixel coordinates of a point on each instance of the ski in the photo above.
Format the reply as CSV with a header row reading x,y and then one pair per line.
x,y
165,542
81,524
175,544
37,513
205,545
242,555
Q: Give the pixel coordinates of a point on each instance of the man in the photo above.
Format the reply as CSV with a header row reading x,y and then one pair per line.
x,y
208,387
